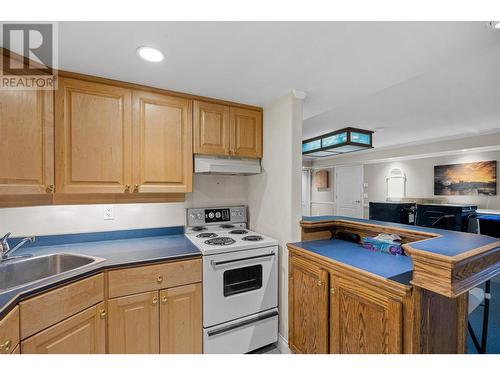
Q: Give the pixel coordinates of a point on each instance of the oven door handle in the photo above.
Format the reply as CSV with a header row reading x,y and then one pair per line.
x,y
214,263
230,327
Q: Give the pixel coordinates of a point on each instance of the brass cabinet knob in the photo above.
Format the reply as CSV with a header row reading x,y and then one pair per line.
x,y
164,299
320,283
159,279
155,300
51,188
136,187
127,187
6,346
332,290
102,313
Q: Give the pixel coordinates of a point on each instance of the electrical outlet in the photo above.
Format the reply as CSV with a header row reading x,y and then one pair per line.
x,y
109,213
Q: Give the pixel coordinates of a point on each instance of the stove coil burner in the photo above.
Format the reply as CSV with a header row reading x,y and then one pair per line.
x,y
227,226
238,231
206,235
198,229
220,241
252,238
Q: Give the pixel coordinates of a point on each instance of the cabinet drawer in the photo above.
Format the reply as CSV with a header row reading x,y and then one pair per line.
x,y
9,331
154,277
52,307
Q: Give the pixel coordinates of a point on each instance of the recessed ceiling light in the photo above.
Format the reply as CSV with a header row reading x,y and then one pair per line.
x,y
495,24
150,54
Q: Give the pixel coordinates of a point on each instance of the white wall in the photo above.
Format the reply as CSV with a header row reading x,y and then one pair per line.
x,y
208,190
420,178
322,198
275,195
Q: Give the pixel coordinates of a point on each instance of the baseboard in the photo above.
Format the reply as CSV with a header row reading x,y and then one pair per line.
x,y
283,345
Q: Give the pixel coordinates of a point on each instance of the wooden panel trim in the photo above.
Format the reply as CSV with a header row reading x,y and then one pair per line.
x,y
156,90
39,312
9,331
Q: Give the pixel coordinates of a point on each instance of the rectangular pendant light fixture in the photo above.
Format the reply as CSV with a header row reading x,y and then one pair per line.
x,y
337,142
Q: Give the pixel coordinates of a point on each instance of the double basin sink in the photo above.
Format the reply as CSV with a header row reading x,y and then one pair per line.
x,y
16,273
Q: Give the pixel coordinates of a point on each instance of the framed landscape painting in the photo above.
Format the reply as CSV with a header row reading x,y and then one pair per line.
x,y
479,178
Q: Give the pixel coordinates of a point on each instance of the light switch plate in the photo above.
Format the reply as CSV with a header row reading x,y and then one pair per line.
x,y
109,213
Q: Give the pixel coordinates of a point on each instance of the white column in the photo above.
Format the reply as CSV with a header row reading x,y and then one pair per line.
x,y
275,194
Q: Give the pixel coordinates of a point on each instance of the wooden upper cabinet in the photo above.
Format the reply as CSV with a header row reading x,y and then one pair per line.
x,y
162,143
181,320
83,333
133,324
93,137
26,142
211,129
363,321
246,132
308,319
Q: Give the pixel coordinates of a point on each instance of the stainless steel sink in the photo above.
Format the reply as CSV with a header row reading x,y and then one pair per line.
x,y
20,272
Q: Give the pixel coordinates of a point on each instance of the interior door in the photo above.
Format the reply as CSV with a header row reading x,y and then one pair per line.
x,y
306,192
162,145
349,188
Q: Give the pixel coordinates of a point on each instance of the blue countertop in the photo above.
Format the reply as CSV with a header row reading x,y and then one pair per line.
x,y
119,249
397,268
448,243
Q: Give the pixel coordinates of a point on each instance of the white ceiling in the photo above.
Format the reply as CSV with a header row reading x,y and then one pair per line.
x,y
419,80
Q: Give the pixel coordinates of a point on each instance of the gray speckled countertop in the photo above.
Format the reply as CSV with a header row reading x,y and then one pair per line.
x,y
117,253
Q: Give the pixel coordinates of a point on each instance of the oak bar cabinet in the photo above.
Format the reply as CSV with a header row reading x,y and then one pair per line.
x,y
346,299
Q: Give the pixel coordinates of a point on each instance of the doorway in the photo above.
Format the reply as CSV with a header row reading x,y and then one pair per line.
x,y
349,190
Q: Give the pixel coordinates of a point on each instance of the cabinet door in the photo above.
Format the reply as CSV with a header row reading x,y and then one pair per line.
x,y
180,320
93,137
308,307
163,158
26,142
83,333
246,132
211,129
133,324
363,320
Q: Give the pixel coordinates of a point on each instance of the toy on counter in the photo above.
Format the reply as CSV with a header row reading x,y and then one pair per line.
x,y
384,243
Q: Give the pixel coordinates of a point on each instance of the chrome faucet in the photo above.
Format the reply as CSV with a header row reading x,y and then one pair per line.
x,y
5,249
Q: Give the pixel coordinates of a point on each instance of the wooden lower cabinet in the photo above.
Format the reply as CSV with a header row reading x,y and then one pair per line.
x,y
181,320
133,324
308,307
83,333
363,321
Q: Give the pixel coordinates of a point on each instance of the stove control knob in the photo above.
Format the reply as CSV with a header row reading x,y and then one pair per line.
x,y
240,213
211,215
217,215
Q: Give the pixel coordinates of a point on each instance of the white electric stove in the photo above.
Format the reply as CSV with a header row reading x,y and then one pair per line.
x,y
240,280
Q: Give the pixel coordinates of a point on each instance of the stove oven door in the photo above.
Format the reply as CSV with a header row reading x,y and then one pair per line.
x,y
239,284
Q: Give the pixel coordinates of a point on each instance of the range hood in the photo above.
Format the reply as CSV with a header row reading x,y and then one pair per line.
x,y
226,165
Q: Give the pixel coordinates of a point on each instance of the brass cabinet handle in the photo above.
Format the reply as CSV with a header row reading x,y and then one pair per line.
x,y
332,290
164,299
136,187
51,188
102,313
320,283
6,346
155,300
159,279
127,187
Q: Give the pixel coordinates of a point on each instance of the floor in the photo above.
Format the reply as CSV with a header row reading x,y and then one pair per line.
x,y
476,320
